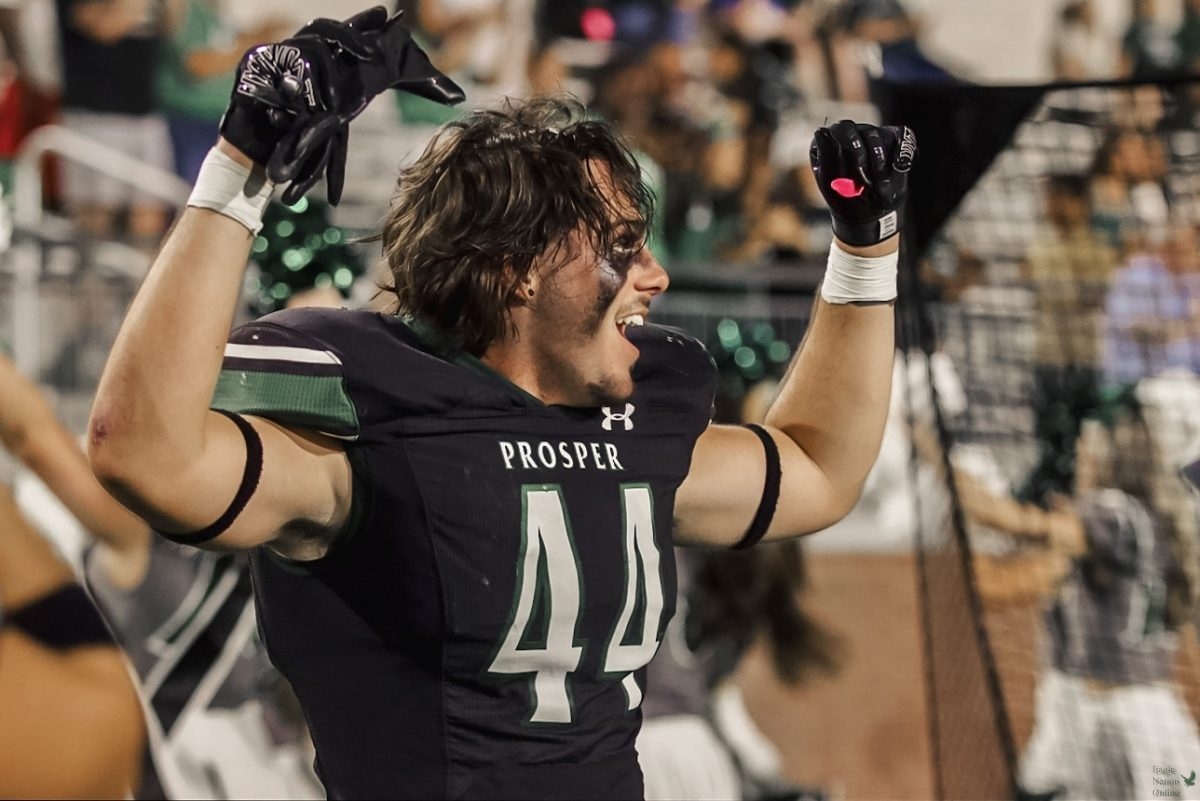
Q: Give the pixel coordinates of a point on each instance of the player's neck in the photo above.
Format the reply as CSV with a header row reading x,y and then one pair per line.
x,y
516,362
509,360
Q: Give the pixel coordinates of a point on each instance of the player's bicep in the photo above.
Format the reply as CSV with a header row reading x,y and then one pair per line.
x,y
718,500
295,501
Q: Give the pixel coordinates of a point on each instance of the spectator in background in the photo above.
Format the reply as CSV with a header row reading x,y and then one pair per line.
x,y
789,226
890,48
28,82
1107,710
110,52
751,81
485,45
841,56
1142,109
548,73
1082,50
698,741
71,726
735,213
1153,310
1149,48
1187,38
470,35
750,20
1129,197
9,24
1068,266
11,116
659,107
222,722
819,53
196,73
705,108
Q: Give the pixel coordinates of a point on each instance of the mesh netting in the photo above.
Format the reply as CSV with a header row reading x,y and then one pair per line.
x,y
1059,316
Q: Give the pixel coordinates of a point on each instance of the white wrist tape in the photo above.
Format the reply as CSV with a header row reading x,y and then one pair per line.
x,y
231,189
857,278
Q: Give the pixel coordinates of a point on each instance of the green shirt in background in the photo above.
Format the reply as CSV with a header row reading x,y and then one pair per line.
x,y
181,94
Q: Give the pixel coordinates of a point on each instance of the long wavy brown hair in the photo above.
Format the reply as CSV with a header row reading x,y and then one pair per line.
x,y
498,194
739,596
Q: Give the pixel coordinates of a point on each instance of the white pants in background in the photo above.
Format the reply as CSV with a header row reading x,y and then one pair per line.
x,y
1105,744
683,760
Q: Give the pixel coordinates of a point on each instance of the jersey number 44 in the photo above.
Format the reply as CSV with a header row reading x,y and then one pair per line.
x,y
549,580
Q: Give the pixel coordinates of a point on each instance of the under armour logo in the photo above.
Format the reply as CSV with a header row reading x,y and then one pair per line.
x,y
621,417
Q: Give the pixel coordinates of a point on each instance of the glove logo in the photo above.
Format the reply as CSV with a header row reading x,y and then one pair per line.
x,y
610,416
310,93
268,63
293,102
908,151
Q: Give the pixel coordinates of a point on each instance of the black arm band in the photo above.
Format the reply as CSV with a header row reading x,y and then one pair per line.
x,y
770,497
250,479
64,619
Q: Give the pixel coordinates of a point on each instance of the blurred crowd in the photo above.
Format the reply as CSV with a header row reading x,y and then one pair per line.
x,y
1067,294
1088,223
1160,38
718,97
1064,302
708,91
714,94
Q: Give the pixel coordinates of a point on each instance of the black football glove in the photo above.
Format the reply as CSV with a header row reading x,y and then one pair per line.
x,y
862,171
293,100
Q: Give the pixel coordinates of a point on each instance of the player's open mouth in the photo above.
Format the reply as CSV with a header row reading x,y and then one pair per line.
x,y
632,319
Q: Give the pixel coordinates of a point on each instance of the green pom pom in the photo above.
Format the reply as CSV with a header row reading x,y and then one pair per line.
x,y
299,249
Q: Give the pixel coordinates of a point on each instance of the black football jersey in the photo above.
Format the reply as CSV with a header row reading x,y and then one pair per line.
x,y
481,629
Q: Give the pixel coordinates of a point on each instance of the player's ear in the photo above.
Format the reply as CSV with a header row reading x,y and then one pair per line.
x,y
525,286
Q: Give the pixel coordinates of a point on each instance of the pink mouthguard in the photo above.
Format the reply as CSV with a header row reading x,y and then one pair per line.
x,y
846,187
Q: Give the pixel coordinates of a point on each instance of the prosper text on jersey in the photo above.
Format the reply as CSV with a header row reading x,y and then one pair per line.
x,y
524,455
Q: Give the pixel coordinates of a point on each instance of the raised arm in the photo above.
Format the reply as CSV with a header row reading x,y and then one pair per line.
x,y
31,432
1026,521
1033,573
152,440
827,422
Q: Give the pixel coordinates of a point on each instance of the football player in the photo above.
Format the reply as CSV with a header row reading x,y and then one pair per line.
x,y
460,513
1116,613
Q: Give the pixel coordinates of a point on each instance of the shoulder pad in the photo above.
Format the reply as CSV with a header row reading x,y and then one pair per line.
x,y
674,369
334,370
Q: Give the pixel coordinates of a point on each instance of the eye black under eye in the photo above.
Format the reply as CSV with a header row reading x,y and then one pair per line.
x,y
621,258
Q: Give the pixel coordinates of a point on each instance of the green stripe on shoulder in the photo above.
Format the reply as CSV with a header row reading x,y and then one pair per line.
x,y
318,402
